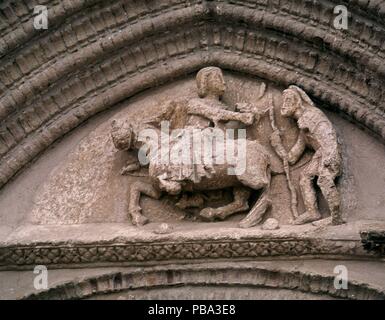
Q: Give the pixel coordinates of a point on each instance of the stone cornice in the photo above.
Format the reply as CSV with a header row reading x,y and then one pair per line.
x,y
127,245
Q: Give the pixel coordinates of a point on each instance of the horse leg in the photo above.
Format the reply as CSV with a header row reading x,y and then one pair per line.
x,y
257,178
134,209
194,201
255,215
241,195
169,186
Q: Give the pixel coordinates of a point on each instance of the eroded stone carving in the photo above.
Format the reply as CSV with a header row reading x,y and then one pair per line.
x,y
192,115
316,132
204,119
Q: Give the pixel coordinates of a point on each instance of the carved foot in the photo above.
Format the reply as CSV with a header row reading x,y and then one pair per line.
x,y
307,217
328,221
208,214
138,219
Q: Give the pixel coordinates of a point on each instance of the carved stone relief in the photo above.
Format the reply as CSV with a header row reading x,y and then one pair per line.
x,y
293,161
210,143
207,115
296,196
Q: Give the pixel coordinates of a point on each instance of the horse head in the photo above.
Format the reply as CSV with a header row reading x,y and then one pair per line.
x,y
122,134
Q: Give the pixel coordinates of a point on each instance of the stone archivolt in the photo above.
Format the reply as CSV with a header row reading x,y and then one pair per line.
x,y
253,278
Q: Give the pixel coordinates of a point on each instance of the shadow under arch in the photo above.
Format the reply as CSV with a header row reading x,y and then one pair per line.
x,y
230,275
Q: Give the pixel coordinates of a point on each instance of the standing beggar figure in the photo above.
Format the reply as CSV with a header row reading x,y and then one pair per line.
x,y
316,132
204,115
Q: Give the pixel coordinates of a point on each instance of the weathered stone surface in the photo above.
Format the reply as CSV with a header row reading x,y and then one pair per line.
x,y
64,202
359,79
163,228
270,224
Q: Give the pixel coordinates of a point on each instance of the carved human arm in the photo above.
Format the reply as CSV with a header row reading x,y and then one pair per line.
x,y
258,112
164,115
217,115
297,150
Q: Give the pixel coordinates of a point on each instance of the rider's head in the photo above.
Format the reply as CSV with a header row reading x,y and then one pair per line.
x,y
210,82
122,134
294,99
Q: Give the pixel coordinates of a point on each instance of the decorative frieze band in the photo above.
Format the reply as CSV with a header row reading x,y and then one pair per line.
x,y
110,253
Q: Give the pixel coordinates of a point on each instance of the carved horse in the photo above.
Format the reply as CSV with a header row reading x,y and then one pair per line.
x,y
256,175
